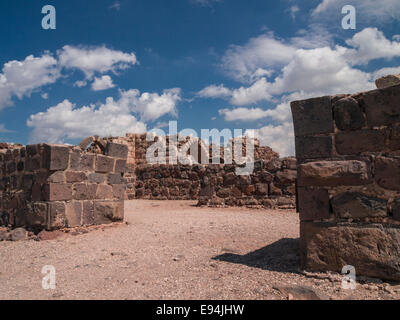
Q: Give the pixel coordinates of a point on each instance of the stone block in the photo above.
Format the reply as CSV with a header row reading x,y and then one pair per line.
x,y
104,164
313,204
333,173
394,138
312,116
37,217
55,157
57,218
373,250
262,189
356,142
313,147
75,176
57,177
285,177
387,173
357,205
119,191
87,162
396,210
74,160
96,177
57,192
73,213
387,81
104,191
104,212
88,212
120,166
115,178
117,150
382,106
348,114
84,191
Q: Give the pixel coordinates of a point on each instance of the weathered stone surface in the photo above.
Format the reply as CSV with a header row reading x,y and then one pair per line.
x,y
96,177
37,217
104,212
73,213
114,178
396,210
348,114
387,81
84,191
57,177
387,172
333,173
313,204
394,138
382,107
285,177
57,191
312,116
120,166
75,176
88,213
356,142
18,234
313,147
117,150
56,157
86,142
57,215
374,250
87,162
358,205
104,164
118,191
104,191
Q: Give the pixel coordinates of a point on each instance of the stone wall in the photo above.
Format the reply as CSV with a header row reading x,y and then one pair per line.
x,y
54,186
270,185
348,153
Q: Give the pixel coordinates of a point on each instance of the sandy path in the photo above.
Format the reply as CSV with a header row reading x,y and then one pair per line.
x,y
169,250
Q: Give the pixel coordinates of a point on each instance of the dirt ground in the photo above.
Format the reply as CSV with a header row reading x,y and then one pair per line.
x,y
174,250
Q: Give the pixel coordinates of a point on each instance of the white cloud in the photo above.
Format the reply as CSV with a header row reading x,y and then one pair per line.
x,y
280,138
45,95
371,44
95,60
116,6
382,11
103,83
263,52
66,121
293,10
258,91
215,91
152,106
243,114
21,78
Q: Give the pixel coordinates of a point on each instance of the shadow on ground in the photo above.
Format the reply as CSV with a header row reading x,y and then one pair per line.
x,y
282,256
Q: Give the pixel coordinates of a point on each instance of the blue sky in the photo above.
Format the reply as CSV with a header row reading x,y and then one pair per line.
x,y
113,67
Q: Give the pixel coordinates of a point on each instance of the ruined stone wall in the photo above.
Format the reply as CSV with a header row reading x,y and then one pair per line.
x,y
348,153
54,186
270,185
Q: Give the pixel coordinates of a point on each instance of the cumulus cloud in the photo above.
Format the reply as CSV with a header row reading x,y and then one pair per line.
x,y
21,78
215,91
66,121
3,129
280,138
382,11
243,114
95,60
103,83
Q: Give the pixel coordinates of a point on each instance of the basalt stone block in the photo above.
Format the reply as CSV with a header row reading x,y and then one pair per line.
x,y
348,114
119,191
32,150
87,162
313,204
358,205
73,213
55,157
116,178
74,160
37,216
312,116
104,212
262,189
382,106
387,81
394,138
33,163
75,176
285,177
11,167
84,191
104,164
313,147
88,213
396,210
119,210
57,177
333,173
373,250
96,177
57,192
57,218
387,173
117,150
104,191
356,142
120,166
